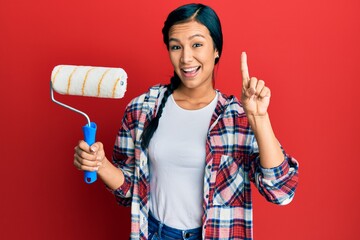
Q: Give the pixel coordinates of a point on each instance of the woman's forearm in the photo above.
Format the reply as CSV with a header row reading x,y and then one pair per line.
x,y
270,151
112,176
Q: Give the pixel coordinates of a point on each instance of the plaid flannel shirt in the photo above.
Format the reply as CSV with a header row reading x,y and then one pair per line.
x,y
232,163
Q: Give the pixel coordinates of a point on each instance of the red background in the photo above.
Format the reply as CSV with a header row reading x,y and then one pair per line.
x,y
307,52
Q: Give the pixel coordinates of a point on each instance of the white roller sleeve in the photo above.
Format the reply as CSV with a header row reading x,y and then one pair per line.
x,y
89,81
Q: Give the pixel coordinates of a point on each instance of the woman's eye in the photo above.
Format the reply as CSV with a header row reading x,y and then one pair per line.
x,y
197,45
175,47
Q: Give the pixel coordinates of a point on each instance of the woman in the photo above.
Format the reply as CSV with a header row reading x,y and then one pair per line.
x,y
186,153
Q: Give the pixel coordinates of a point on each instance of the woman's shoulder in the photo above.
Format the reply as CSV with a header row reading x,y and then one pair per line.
x,y
230,103
148,97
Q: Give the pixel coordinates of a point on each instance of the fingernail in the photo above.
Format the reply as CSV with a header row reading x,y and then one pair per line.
x,y
92,149
99,164
96,168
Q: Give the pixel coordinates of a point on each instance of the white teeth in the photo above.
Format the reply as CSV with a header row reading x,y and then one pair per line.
x,y
189,69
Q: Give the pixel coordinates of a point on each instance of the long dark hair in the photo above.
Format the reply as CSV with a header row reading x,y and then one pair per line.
x,y
190,12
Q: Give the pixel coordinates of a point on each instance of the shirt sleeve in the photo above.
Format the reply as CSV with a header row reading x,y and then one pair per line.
x,y
276,184
124,158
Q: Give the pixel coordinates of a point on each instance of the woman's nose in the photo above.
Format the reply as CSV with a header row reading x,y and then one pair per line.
x,y
187,55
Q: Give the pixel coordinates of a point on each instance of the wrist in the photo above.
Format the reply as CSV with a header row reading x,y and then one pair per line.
x,y
104,165
257,121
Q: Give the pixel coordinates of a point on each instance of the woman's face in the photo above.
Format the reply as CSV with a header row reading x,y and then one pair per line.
x,y
192,54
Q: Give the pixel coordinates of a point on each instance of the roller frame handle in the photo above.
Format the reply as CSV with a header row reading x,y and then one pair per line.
x,y
89,137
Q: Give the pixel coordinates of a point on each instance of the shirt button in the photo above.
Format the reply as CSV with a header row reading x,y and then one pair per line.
x,y
209,167
207,195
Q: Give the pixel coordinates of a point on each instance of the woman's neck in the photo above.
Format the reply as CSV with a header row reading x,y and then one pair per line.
x,y
193,99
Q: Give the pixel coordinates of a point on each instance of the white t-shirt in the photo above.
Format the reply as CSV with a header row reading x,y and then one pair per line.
x,y
177,164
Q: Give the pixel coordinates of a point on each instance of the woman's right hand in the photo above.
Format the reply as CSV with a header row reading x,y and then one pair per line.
x,y
89,158
92,158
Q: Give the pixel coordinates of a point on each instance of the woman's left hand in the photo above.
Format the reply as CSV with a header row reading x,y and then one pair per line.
x,y
255,95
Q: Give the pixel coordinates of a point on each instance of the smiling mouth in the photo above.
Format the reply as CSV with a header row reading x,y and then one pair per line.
x,y
190,72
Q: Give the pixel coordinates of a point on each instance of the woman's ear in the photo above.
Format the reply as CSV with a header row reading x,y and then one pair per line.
x,y
216,54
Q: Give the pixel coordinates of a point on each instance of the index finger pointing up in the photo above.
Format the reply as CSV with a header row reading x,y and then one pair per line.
x,y
244,69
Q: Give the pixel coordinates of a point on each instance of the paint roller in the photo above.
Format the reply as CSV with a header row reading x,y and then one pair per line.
x,y
87,81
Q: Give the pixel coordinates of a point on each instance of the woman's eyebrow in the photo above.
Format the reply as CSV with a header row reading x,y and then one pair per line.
x,y
197,35
191,37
